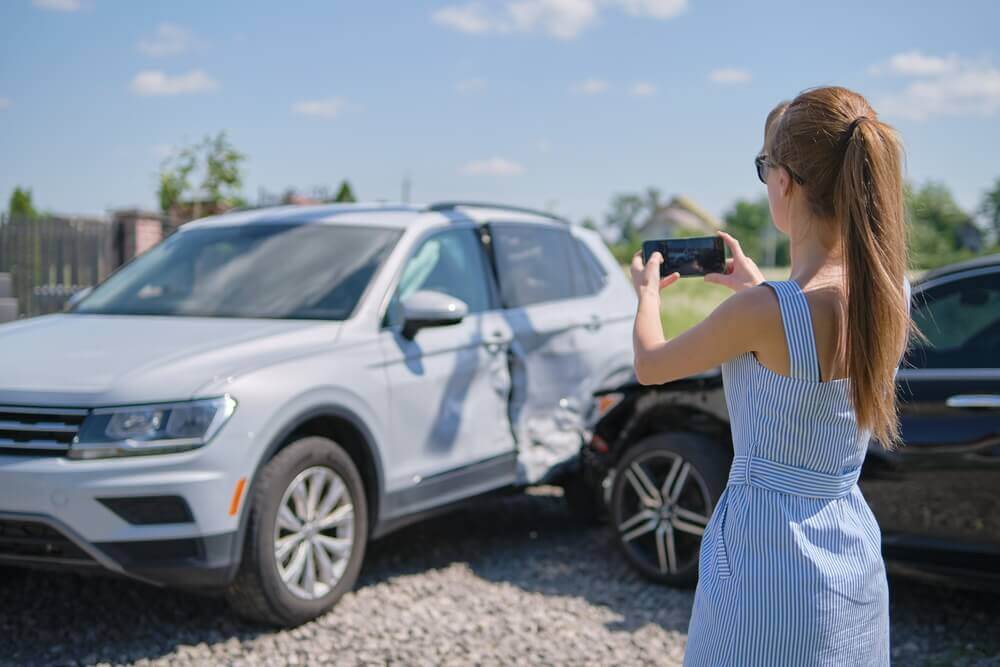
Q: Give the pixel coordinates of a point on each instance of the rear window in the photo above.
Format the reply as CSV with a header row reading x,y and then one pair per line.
x,y
534,262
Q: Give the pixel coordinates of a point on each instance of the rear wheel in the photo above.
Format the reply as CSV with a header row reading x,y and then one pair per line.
x,y
665,489
305,537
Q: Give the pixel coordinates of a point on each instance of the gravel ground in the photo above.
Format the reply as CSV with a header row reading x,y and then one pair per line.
x,y
509,580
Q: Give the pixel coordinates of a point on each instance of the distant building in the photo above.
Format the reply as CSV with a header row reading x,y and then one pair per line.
x,y
678,217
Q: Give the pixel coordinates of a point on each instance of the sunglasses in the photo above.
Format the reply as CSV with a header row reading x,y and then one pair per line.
x,y
763,163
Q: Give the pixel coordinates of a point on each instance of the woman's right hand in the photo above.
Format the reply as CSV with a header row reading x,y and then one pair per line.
x,y
741,271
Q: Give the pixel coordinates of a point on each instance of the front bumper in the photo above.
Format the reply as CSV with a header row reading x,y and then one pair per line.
x,y
170,519
202,563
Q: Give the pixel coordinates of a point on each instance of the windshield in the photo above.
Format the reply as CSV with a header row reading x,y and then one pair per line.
x,y
285,271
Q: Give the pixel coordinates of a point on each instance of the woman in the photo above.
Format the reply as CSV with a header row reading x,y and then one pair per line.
x,y
790,568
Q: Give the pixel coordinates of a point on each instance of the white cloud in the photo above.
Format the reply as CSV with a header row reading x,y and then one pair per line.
x,y
964,88
591,87
471,18
5,103
58,5
327,108
163,151
468,86
729,75
642,89
158,83
562,19
660,9
496,166
915,63
169,39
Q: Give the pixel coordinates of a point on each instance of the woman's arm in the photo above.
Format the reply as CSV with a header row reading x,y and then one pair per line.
x,y
728,331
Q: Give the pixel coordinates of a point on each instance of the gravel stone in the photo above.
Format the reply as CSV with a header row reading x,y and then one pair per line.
x,y
509,580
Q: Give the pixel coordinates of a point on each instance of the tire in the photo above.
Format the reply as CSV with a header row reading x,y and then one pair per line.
x,y
583,501
662,539
259,592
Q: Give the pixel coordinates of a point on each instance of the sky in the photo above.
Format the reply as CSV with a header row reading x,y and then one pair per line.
x,y
554,104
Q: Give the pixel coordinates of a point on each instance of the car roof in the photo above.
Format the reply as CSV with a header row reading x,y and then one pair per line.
x,y
960,267
396,215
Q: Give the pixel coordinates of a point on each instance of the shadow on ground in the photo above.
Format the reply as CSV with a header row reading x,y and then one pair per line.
x,y
527,541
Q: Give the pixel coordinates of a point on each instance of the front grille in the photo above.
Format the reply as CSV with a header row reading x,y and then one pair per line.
x,y
38,431
32,540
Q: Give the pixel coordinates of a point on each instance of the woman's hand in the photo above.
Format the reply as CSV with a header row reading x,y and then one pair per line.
x,y
647,277
741,271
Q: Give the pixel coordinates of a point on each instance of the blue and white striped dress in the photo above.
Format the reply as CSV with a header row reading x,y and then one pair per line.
x,y
791,569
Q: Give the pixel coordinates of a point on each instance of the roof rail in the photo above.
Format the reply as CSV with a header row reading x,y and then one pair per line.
x,y
451,205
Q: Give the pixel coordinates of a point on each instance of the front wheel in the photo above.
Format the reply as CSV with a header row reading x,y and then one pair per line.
x,y
665,489
305,537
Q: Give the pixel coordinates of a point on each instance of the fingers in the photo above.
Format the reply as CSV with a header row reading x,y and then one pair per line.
x,y
734,246
670,280
729,265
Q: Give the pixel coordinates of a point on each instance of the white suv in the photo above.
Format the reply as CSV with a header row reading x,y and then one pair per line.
x,y
245,405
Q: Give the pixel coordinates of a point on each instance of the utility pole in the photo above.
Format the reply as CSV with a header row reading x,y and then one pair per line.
x,y
405,194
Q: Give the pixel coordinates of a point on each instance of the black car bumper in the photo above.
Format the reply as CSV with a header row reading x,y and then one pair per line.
x,y
203,563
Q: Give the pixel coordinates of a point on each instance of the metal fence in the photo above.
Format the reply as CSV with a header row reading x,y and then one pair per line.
x,y
50,257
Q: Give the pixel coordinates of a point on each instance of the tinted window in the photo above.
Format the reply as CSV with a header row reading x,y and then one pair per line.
x,y
533,263
288,271
961,320
589,271
452,262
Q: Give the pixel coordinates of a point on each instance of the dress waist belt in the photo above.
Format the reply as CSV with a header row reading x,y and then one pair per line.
x,y
785,478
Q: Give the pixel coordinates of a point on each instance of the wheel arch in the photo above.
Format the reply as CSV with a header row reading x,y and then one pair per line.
x,y
345,428
660,412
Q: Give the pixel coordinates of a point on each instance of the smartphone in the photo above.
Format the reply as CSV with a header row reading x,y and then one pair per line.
x,y
690,256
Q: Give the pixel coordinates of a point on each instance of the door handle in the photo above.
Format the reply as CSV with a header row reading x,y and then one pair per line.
x,y
974,401
593,324
496,341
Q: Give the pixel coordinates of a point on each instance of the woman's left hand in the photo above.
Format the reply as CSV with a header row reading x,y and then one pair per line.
x,y
647,277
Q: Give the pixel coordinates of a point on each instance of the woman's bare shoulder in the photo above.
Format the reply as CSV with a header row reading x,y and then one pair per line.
x,y
753,306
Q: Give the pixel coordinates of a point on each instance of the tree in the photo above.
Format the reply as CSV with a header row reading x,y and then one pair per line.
x,y
223,179
345,194
990,209
750,222
939,228
624,215
220,165
175,178
21,204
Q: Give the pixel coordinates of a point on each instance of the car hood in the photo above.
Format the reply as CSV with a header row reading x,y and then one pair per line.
x,y
87,360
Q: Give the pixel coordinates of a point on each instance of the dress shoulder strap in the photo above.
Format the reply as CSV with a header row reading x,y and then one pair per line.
x,y
797,323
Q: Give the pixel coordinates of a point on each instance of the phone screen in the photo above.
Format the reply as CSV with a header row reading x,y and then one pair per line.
x,y
692,256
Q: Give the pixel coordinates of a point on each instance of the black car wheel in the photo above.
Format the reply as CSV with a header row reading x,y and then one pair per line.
x,y
306,535
665,489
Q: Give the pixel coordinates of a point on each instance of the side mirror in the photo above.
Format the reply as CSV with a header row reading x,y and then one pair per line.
x,y
428,308
77,296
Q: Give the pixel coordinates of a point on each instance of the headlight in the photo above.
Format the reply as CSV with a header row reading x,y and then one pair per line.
x,y
150,429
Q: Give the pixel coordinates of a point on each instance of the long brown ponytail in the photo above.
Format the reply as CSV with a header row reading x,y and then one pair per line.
x,y
851,166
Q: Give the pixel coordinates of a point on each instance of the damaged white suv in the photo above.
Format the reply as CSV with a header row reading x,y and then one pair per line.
x,y
244,406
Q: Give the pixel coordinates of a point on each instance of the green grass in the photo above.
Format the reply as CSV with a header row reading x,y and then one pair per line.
x,y
690,300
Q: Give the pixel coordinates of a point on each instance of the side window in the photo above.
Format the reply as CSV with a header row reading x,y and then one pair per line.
x,y
533,263
590,273
961,320
452,262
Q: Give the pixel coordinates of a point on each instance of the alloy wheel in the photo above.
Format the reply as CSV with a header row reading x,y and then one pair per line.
x,y
665,508
314,532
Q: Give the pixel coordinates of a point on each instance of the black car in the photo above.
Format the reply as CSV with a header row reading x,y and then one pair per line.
x,y
937,498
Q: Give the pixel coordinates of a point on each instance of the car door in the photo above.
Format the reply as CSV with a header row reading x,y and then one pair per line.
x,y
534,269
448,386
937,498
605,309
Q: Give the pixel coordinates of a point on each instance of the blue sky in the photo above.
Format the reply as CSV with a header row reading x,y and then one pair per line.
x,y
547,103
